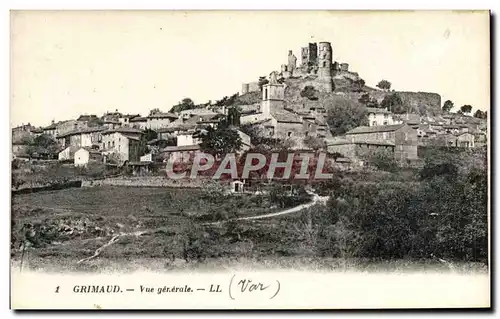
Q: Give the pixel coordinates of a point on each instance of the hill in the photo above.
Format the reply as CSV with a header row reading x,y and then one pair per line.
x,y
346,90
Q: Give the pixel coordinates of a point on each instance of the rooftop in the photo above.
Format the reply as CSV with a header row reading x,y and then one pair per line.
x,y
163,115
284,116
138,119
377,110
127,130
81,131
375,129
180,148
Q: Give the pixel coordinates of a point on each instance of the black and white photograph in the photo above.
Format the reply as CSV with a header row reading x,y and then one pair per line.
x,y
191,160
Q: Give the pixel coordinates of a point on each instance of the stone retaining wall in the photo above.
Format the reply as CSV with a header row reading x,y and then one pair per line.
x,y
145,181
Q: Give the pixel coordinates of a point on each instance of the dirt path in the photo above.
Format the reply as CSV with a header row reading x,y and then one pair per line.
x,y
315,200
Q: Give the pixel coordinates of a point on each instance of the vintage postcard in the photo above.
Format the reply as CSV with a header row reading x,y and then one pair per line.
x,y
250,159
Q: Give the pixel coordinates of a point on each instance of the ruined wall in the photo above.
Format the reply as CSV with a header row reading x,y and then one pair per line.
x,y
244,88
424,103
249,87
347,150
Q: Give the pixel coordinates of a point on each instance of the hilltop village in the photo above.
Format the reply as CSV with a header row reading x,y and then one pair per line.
x,y
406,183
297,105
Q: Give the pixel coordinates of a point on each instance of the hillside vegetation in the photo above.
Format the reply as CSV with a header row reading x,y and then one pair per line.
x,y
347,91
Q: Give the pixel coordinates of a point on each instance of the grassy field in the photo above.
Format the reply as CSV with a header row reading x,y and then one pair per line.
x,y
73,223
165,229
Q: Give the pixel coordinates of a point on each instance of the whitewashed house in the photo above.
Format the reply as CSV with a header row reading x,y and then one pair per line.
x,y
378,117
86,155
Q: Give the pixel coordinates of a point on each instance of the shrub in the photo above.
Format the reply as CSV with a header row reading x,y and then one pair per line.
x,y
309,92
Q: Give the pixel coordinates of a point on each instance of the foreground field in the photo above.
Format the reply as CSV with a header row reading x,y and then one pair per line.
x,y
151,222
435,222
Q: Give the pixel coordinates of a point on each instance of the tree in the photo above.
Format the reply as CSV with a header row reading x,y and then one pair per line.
x,y
149,135
447,106
480,114
346,115
262,81
227,101
359,85
367,101
384,85
221,140
185,104
154,111
393,103
466,109
233,116
309,92
43,145
314,143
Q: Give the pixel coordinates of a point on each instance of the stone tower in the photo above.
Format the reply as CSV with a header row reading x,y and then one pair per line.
x,y
292,61
325,66
273,95
309,55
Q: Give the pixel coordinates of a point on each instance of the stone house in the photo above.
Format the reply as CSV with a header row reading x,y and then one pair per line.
x,y
50,130
180,153
379,116
22,133
69,126
353,150
86,137
122,144
111,124
204,120
159,120
403,137
465,139
138,122
124,119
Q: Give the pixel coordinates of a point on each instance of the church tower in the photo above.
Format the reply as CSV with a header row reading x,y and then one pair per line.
x,y
273,95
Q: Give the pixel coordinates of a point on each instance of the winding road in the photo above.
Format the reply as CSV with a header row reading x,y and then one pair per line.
x,y
316,199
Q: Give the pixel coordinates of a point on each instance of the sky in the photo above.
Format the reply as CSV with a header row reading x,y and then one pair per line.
x,y
68,63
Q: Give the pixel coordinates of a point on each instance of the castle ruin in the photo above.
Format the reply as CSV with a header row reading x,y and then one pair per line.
x,y
317,64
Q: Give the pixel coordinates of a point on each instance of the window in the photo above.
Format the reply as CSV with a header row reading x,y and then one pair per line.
x,y
109,144
113,143
265,94
119,146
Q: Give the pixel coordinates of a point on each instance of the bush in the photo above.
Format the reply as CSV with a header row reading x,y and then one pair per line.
x,y
382,159
309,92
437,217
